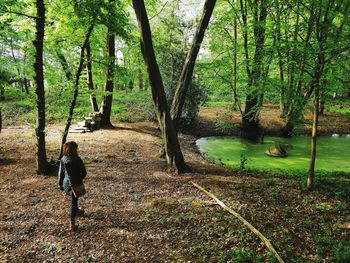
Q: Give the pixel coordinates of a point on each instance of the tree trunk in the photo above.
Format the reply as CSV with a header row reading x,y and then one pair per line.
x,y
235,95
76,87
2,92
20,83
26,85
250,120
140,80
64,64
170,140
106,106
280,64
187,70
41,160
322,103
310,178
89,78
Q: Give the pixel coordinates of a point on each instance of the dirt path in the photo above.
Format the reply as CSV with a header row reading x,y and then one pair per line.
x,y
124,174
139,210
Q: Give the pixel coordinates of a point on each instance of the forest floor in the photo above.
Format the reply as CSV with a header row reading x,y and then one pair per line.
x,y
139,210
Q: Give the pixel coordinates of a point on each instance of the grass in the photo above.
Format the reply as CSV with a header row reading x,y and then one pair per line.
x,y
339,108
203,233
19,108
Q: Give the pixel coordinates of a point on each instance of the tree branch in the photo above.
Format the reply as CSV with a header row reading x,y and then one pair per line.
x,y
7,11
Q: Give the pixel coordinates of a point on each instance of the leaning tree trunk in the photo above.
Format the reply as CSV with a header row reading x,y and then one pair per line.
x,y
106,106
76,87
64,64
170,140
89,78
41,161
187,70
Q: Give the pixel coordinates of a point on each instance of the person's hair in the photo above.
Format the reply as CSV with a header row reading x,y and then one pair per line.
x,y
70,149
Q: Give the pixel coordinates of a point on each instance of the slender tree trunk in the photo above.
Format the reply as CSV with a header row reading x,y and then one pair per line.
x,y
16,64
2,92
280,63
89,78
235,95
322,103
26,80
169,135
26,85
76,88
187,70
140,79
322,27
310,178
106,106
64,64
41,160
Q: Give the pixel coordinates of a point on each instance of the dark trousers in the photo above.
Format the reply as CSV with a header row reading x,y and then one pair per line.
x,y
74,208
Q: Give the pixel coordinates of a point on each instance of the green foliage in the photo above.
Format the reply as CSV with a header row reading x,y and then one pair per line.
x,y
241,255
341,253
242,161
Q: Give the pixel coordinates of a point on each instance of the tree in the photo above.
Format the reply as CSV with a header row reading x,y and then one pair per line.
x,y
187,70
250,120
76,87
106,106
325,27
170,140
42,165
90,82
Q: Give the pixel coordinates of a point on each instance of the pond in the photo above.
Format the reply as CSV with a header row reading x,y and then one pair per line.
x,y
333,152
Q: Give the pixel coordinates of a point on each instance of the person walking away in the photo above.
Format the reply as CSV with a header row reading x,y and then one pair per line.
x,y
70,174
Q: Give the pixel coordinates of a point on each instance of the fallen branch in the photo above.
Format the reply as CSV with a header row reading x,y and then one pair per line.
x,y
251,227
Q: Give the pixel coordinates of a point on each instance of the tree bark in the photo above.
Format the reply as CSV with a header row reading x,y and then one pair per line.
x,y
169,135
2,92
76,88
140,79
187,70
64,64
106,106
89,78
41,160
250,120
280,62
234,87
322,26
311,173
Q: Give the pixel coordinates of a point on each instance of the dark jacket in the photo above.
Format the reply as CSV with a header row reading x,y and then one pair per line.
x,y
71,171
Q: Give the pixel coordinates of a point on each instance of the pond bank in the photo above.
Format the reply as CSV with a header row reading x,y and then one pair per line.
x,y
224,122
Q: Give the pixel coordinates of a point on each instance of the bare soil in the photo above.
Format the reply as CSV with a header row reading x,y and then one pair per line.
x,y
139,210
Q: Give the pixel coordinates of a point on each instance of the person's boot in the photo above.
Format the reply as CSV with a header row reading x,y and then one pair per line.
x,y
80,212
